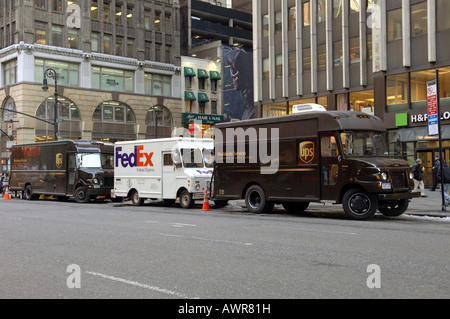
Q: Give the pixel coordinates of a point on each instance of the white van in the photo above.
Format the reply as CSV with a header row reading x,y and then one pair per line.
x,y
167,169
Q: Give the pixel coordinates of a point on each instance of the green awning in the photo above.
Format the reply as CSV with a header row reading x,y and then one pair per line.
x,y
202,74
189,71
189,96
203,97
214,75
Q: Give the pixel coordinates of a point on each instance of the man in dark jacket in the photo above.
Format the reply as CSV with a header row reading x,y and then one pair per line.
x,y
437,164
445,185
417,171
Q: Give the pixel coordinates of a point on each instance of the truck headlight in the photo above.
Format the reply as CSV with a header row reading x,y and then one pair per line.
x,y
93,181
197,186
384,177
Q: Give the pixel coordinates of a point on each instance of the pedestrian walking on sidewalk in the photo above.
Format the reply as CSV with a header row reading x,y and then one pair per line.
x,y
2,178
437,164
417,171
445,184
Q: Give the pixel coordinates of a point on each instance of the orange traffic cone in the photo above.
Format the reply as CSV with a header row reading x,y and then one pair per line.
x,y
206,203
6,193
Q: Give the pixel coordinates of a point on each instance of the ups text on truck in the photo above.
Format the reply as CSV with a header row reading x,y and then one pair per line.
x,y
293,160
79,169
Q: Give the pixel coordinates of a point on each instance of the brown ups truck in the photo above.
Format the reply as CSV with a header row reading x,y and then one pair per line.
x,y
81,169
336,156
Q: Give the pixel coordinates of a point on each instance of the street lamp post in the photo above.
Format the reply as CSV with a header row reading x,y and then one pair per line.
x,y
51,73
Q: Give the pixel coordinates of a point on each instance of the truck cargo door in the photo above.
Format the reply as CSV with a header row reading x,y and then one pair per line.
x,y
169,190
329,167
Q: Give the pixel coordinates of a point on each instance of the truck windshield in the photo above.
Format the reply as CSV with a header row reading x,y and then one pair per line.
x,y
192,157
107,160
208,157
89,160
364,144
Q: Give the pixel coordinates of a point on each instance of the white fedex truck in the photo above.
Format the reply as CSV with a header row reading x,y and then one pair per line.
x,y
167,169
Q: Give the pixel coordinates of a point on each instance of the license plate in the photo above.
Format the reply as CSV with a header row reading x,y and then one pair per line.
x,y
96,186
386,185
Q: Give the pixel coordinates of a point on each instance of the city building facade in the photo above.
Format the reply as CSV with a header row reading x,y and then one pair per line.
x,y
117,64
374,56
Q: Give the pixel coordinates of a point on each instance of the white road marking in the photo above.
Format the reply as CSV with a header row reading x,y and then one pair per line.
x,y
137,284
206,239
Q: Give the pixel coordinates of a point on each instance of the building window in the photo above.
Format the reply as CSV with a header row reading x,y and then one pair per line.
x,y
119,42
292,18
67,110
68,73
354,6
158,21
159,122
106,12
306,60
266,69
355,55
214,85
443,8
321,11
394,20
279,66
130,48
10,72
362,101
278,22
118,14
337,8
94,10
57,36
168,25
94,42
9,105
419,23
322,56
157,84
112,79
337,53
40,33
266,25
72,39
130,20
40,4
292,63
107,44
114,112
306,14
369,47
202,107
57,5
213,107
419,88
201,84
397,92
147,20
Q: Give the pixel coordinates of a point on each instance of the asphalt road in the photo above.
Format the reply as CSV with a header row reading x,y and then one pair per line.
x,y
157,252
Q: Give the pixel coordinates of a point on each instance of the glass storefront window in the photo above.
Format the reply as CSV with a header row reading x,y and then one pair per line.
x,y
292,18
419,88
306,14
354,50
297,102
321,11
442,9
337,53
67,110
276,109
362,101
444,86
397,92
114,112
265,25
337,8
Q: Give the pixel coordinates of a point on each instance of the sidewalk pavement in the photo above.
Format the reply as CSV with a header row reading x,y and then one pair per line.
x,y
428,206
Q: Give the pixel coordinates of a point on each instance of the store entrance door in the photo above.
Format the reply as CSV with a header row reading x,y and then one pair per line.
x,y
427,157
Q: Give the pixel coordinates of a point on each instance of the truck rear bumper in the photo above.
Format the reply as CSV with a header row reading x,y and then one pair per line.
x,y
397,196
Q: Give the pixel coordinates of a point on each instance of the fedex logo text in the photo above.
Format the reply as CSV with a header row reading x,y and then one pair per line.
x,y
136,159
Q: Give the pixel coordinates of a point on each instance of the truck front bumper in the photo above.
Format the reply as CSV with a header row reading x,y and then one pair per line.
x,y
397,196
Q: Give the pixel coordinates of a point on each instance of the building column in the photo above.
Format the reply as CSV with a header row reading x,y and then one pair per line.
x,y
26,130
257,51
285,47
345,44
299,46
314,57
406,33
431,18
329,44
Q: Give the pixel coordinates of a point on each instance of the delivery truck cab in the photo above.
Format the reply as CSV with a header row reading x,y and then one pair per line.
x,y
79,169
321,156
169,169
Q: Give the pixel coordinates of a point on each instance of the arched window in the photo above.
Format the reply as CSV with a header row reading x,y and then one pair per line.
x,y
159,122
67,110
114,121
114,112
9,104
69,119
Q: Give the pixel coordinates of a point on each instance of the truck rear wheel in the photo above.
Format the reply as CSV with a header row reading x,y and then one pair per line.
x,y
359,204
295,208
29,193
256,202
136,200
394,209
81,195
186,200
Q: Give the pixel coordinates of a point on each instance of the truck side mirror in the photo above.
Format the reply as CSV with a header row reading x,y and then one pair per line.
x,y
176,158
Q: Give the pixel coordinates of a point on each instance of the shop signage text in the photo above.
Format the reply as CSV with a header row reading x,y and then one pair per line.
x,y
418,118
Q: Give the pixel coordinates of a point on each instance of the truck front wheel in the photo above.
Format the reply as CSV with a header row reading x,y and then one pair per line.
x,y
81,195
186,200
256,202
394,209
359,204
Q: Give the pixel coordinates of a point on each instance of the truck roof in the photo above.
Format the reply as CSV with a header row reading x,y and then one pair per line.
x,y
328,121
75,145
170,139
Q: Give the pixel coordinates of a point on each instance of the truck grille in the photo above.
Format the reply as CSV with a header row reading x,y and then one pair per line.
x,y
398,180
109,181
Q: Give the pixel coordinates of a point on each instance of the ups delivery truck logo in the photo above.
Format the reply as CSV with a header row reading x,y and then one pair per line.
x,y
59,160
306,152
